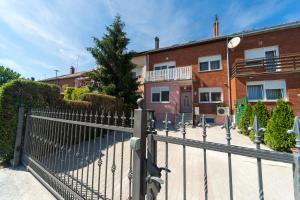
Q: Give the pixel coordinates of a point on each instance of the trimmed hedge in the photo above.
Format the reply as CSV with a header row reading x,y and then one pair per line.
x,y
12,94
68,93
276,136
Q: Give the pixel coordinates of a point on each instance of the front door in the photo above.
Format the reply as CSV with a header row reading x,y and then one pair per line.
x,y
186,102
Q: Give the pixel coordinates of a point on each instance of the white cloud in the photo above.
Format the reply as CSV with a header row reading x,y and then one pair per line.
x,y
12,64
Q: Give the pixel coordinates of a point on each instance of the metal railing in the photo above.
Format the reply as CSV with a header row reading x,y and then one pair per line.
x,y
98,155
281,64
178,73
74,153
230,150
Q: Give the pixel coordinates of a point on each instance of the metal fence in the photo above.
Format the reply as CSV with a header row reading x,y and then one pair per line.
x,y
75,154
91,155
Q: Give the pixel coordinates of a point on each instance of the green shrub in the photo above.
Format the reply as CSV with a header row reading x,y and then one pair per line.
x,y
31,94
245,121
71,93
77,92
276,136
261,111
68,92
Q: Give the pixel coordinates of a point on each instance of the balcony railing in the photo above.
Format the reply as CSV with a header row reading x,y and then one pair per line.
x,y
178,73
281,64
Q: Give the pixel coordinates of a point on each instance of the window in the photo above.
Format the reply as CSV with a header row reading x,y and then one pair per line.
x,y
166,65
209,63
266,90
210,95
160,94
136,72
256,57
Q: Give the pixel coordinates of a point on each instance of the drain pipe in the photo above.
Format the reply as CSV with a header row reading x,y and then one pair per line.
x,y
228,77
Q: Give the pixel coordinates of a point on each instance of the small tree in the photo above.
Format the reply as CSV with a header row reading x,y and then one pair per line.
x,y
114,76
261,111
7,74
246,120
276,136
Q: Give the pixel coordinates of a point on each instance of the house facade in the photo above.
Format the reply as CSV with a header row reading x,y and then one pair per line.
x,y
197,78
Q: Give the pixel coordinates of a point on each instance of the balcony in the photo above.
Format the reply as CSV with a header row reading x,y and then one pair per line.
x,y
178,73
281,64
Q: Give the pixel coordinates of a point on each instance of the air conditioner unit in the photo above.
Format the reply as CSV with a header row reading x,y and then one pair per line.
x,y
222,111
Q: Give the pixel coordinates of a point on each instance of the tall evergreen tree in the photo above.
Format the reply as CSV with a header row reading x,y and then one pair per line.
x,y
114,74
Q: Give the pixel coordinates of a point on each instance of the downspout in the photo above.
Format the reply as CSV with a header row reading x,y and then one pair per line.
x,y
228,77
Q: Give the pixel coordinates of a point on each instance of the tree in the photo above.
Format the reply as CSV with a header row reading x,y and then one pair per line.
x,y
261,111
7,74
114,75
246,120
276,136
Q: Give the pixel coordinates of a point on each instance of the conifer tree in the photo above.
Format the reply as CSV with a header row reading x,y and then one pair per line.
x,y
114,74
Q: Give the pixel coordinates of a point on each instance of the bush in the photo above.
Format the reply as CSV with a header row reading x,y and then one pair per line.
x,y
261,111
31,94
71,93
276,136
68,93
245,121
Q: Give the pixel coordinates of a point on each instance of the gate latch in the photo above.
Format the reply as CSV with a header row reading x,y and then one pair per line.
x,y
153,179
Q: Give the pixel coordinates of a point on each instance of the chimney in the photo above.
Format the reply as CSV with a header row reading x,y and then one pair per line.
x,y
156,42
72,70
216,27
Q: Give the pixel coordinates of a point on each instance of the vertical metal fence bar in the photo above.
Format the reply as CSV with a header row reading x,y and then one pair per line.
x,y
204,135
78,151
130,175
47,138
123,118
70,152
113,167
83,152
67,147
184,156
166,122
94,152
258,129
106,159
227,126
87,158
296,165
100,162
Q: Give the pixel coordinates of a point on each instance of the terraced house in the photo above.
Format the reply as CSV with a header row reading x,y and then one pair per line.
x,y
207,77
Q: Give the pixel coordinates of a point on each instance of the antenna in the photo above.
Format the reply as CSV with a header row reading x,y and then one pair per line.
x,y
56,71
234,42
77,62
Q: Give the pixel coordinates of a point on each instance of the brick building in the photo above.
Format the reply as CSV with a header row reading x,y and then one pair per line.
x,y
196,78
73,79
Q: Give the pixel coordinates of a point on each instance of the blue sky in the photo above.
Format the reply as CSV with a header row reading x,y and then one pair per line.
x,y
38,36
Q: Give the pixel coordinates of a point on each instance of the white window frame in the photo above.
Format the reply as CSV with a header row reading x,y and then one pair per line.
x,y
160,90
271,84
210,90
209,59
168,64
259,53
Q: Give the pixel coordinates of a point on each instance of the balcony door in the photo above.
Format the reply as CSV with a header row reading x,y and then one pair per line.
x,y
270,61
186,102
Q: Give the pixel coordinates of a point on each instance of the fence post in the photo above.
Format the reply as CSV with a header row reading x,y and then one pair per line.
x,y
138,144
296,166
17,151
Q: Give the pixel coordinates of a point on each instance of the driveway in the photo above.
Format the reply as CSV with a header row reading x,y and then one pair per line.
x,y
18,184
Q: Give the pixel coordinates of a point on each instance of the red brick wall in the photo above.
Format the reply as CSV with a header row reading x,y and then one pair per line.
x,y
189,56
69,82
292,87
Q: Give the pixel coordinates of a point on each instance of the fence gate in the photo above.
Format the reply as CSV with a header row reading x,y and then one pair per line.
x,y
92,155
80,155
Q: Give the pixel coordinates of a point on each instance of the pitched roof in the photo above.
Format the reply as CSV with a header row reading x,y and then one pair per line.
x,y
242,33
66,76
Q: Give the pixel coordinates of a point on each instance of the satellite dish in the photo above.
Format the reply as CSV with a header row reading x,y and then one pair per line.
x,y
234,42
